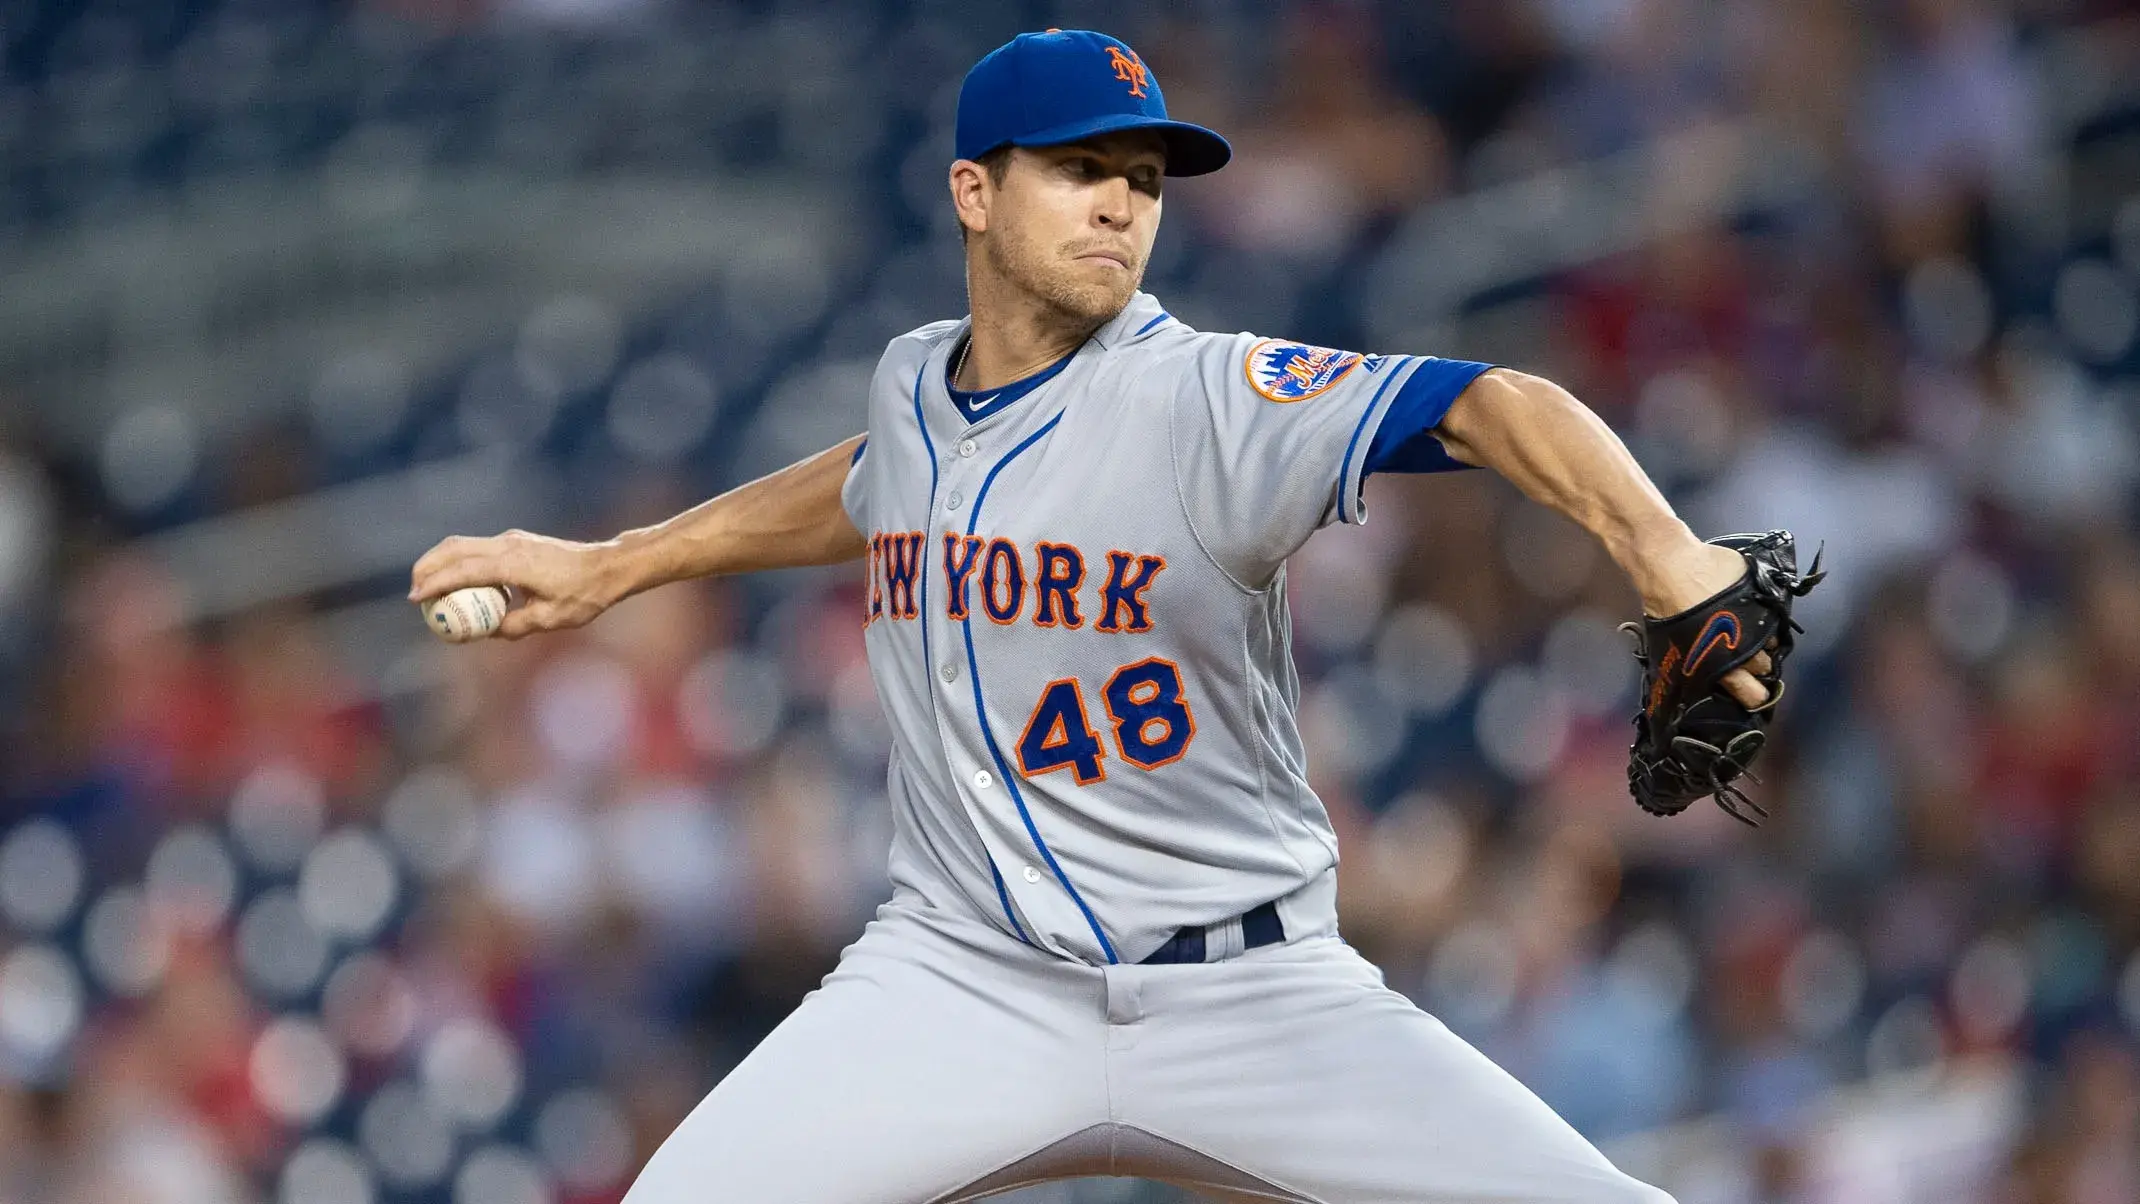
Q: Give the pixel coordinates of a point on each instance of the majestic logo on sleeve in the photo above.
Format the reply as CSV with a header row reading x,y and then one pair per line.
x,y
1283,371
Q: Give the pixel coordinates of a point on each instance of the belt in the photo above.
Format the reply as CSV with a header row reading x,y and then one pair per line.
x,y
1259,926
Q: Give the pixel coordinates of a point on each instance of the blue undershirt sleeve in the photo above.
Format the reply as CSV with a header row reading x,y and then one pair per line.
x,y
1404,440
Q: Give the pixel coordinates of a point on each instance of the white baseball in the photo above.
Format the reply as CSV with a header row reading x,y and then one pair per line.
x,y
466,614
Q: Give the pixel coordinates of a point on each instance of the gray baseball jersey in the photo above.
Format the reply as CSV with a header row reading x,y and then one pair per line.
x,y
1077,625
1076,619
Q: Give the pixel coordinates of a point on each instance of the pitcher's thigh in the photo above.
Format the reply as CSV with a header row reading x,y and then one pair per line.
x,y
1317,1079
894,1083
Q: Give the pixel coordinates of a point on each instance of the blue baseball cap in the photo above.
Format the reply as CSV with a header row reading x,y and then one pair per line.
x,y
1067,85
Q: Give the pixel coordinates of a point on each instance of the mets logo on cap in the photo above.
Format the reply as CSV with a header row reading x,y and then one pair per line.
x,y
1128,68
1283,371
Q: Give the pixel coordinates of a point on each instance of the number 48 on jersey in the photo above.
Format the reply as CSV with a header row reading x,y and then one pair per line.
x,y
1150,719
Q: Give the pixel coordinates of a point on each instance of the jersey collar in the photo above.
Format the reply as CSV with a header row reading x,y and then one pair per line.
x,y
1008,395
1117,331
1123,327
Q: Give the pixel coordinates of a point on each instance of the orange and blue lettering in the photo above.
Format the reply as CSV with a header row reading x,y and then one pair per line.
x,y
1002,581
1058,734
1062,570
1153,725
962,555
876,592
902,562
1124,592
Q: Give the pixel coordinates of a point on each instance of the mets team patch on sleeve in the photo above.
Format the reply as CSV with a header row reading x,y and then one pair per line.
x,y
1283,371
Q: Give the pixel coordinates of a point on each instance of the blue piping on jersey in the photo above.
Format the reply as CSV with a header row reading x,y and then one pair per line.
x,y
1345,467
1005,895
980,706
1163,316
921,424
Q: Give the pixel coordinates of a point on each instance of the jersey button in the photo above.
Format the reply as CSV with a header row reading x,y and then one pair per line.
x,y
1031,874
949,672
952,502
968,447
982,779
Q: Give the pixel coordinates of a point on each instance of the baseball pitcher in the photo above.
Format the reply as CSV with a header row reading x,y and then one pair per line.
x,y
1112,944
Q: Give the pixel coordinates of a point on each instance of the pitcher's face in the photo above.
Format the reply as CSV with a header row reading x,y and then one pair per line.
x,y
1073,225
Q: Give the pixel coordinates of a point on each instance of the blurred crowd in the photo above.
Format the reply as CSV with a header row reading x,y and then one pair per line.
x,y
289,919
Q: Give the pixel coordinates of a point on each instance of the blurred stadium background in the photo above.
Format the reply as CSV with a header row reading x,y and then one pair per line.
x,y
300,907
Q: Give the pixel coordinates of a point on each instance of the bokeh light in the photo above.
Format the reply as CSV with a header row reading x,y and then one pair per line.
x,y
296,1071
1522,722
41,875
276,814
369,1006
280,950
348,885
325,1171
471,1073
125,943
501,1175
1423,658
433,820
40,1006
191,877
1822,986
149,456
585,1139
407,1138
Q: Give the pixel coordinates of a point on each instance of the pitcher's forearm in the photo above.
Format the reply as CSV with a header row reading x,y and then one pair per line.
x,y
786,519
1559,453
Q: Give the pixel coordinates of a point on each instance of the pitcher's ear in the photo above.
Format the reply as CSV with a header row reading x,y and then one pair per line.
x,y
971,191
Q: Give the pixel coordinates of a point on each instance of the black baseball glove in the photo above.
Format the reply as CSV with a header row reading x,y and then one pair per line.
x,y
1691,738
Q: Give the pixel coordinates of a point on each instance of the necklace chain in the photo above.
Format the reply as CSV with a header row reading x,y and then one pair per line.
x,y
959,369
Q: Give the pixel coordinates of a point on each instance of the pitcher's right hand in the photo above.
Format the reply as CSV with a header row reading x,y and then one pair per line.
x,y
554,584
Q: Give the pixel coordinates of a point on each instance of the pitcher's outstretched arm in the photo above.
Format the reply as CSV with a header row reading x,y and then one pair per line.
x,y
786,519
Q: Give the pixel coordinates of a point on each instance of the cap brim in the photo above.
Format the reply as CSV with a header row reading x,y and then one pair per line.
x,y
1192,150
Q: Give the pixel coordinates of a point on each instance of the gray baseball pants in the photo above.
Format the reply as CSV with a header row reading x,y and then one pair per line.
x,y
943,1061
